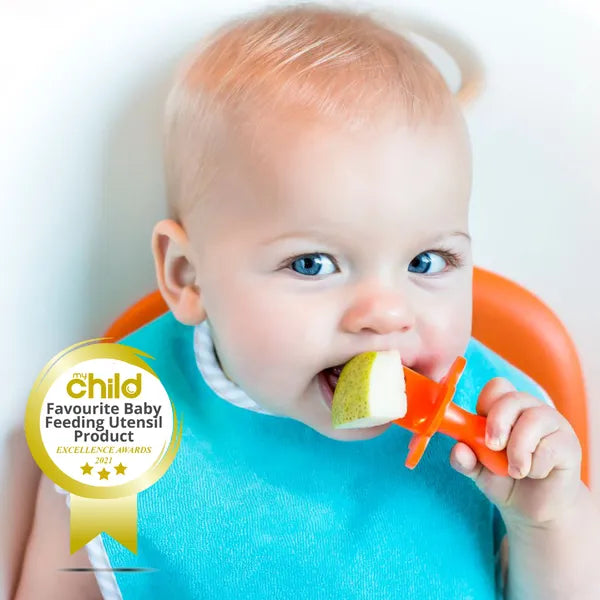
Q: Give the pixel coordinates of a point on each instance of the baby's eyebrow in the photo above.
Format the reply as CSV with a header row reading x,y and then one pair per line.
x,y
306,234
325,238
442,236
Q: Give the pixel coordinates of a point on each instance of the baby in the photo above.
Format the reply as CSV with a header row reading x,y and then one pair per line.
x,y
319,175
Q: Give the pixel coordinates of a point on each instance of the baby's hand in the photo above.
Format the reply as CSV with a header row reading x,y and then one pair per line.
x,y
544,456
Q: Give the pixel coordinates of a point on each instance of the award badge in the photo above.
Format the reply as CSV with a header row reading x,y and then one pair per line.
x,y
100,424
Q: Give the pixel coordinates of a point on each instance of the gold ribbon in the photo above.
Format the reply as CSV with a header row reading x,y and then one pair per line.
x,y
115,516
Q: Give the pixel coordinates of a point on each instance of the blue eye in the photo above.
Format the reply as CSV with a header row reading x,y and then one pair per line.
x,y
310,264
427,263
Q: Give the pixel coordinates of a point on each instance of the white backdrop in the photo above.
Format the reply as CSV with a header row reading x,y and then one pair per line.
x,y
81,182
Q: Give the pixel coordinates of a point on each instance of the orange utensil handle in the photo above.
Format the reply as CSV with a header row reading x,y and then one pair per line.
x,y
466,427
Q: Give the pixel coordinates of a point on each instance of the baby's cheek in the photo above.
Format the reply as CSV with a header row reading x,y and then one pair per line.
x,y
260,345
445,334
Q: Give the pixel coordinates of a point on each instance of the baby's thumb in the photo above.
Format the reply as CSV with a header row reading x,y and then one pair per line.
x,y
464,460
495,487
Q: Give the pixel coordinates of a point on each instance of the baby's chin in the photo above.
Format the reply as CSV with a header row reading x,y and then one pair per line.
x,y
317,416
320,420
355,434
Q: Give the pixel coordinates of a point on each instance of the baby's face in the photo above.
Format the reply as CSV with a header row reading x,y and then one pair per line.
x,y
331,245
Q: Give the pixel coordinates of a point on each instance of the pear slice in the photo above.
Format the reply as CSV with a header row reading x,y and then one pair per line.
x,y
370,391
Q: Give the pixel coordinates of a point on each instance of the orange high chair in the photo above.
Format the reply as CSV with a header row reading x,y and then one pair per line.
x,y
506,318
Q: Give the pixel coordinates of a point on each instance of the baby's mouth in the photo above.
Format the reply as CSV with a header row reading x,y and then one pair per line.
x,y
328,379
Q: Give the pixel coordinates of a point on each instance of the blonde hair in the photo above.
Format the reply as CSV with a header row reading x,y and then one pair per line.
x,y
303,62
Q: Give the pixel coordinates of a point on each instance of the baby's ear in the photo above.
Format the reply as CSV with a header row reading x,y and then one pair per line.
x,y
175,272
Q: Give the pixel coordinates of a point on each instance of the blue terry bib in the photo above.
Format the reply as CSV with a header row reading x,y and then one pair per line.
x,y
258,507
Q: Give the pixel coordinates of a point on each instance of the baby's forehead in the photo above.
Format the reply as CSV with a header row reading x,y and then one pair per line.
x,y
384,181
302,156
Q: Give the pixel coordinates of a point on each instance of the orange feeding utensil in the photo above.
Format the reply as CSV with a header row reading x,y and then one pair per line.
x,y
430,409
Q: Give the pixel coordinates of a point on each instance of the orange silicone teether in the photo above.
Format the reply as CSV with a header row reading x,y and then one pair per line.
x,y
430,409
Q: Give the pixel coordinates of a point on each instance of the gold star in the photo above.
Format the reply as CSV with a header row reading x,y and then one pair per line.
x,y
87,469
104,473
120,469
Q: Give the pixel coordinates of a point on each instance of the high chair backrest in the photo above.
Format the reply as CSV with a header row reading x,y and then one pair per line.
x,y
518,326
507,318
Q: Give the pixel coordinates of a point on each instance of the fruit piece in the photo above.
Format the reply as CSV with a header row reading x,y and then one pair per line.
x,y
370,391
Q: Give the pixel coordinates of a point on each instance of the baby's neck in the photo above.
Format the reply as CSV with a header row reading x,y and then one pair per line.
x,y
221,366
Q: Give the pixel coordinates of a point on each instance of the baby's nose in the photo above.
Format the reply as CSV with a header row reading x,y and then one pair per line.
x,y
379,311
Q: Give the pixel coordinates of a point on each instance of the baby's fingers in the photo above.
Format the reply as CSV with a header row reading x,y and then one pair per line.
x,y
503,413
555,451
532,426
492,391
542,440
